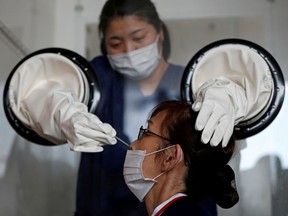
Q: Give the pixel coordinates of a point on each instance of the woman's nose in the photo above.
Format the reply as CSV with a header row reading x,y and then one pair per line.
x,y
133,144
129,47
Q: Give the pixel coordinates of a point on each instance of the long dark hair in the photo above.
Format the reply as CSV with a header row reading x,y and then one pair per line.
x,y
208,174
143,9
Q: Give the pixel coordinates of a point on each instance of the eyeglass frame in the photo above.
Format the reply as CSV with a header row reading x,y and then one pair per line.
x,y
143,131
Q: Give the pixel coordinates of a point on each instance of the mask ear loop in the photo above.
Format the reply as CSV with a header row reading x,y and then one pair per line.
x,y
160,51
154,179
160,150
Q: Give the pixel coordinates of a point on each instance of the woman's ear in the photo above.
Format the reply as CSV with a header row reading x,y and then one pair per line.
x,y
173,157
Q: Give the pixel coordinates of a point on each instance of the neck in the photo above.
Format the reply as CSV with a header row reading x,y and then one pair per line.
x,y
162,190
149,85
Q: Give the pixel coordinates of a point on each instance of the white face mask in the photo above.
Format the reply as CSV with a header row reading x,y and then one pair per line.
x,y
138,64
133,174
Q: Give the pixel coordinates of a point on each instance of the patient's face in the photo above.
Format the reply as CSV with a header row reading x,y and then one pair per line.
x,y
151,143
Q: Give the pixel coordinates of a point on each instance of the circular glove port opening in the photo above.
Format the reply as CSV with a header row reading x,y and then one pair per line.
x,y
235,59
55,65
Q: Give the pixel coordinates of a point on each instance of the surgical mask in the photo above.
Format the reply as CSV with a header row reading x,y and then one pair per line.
x,y
138,64
133,174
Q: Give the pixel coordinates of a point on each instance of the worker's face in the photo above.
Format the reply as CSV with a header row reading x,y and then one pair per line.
x,y
129,33
151,143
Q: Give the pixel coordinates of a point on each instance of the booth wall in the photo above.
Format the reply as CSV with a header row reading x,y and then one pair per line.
x,y
38,180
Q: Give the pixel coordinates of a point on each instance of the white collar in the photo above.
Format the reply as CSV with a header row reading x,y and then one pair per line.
x,y
159,207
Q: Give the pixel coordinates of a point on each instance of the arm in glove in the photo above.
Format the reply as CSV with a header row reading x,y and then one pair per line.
x,y
56,115
223,103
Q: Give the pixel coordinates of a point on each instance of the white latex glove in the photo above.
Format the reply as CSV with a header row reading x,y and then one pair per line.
x,y
45,93
232,83
222,105
86,133
59,117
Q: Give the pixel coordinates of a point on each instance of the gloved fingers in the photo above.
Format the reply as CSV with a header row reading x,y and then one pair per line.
x,y
203,116
210,126
87,123
221,129
108,129
86,147
227,135
93,122
207,133
85,132
105,128
196,105
97,136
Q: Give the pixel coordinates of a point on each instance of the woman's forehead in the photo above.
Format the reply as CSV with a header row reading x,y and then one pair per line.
x,y
157,119
127,25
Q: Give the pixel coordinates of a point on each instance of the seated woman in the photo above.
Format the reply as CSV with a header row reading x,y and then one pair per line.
x,y
172,171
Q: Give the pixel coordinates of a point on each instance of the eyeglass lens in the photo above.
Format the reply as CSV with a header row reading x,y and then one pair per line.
x,y
141,132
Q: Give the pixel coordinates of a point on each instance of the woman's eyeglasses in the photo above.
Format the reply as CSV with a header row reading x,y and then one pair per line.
x,y
144,131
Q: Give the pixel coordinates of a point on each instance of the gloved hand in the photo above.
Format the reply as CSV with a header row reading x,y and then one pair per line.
x,y
221,104
86,133
59,117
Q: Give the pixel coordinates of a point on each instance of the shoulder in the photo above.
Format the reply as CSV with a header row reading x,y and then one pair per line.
x,y
100,63
103,70
173,74
175,68
186,206
174,71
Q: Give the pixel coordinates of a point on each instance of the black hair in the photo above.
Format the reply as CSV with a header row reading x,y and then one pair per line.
x,y
143,9
208,174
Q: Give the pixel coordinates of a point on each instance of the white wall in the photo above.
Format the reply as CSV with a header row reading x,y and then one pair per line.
x,y
184,9
31,20
34,180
